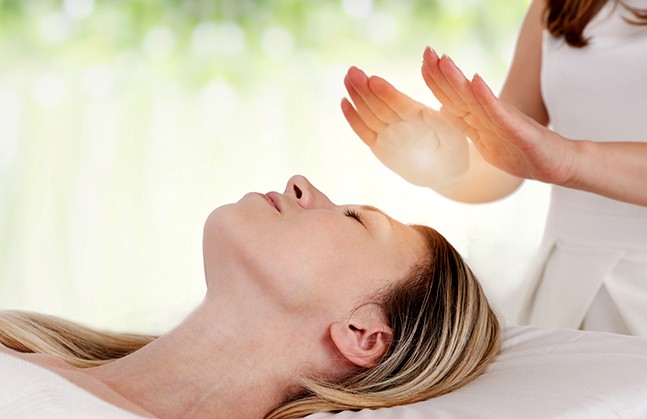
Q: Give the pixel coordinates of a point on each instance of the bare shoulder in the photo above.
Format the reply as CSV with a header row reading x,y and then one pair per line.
x,y
43,360
79,377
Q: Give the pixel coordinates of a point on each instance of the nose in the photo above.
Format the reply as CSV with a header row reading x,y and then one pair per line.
x,y
306,194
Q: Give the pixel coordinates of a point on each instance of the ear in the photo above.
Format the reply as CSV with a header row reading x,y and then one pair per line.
x,y
365,338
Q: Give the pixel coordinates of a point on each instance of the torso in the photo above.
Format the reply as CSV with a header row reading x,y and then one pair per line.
x,y
593,244
598,92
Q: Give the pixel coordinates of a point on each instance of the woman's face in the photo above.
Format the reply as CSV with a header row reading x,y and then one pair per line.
x,y
303,252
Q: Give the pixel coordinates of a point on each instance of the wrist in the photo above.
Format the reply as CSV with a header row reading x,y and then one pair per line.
x,y
576,163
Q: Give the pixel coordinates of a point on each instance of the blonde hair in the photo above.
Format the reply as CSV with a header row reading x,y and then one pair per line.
x,y
73,343
444,335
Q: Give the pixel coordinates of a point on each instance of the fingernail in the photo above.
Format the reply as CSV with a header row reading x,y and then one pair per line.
x,y
431,59
451,62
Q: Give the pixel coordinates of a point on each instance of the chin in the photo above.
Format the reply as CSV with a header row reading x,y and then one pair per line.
x,y
220,218
218,230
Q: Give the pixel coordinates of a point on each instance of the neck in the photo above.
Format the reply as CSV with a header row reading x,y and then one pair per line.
x,y
207,367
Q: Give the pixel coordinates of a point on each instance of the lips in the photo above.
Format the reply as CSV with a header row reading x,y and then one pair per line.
x,y
273,198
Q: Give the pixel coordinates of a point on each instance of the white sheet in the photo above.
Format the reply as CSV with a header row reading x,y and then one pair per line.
x,y
540,373
29,391
544,373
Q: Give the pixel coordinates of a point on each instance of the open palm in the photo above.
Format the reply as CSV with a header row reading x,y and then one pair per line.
x,y
408,137
505,136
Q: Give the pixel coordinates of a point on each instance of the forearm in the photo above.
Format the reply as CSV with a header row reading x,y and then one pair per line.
x,y
481,183
615,170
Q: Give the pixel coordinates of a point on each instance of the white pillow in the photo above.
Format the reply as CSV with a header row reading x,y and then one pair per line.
x,y
544,373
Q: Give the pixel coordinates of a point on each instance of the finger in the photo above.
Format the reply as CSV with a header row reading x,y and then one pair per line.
x,y
453,79
357,123
469,126
461,87
474,121
430,60
476,138
457,123
466,129
490,104
364,111
514,129
437,82
400,104
380,109
485,140
474,128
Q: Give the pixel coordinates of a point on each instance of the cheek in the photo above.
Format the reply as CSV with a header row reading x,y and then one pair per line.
x,y
343,276
317,271
309,264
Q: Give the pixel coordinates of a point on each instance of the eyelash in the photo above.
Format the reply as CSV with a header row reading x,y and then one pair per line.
x,y
353,214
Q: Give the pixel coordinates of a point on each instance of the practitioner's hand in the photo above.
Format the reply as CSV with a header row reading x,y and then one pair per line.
x,y
505,136
406,136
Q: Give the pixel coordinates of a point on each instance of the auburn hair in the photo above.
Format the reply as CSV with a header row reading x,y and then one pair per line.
x,y
568,18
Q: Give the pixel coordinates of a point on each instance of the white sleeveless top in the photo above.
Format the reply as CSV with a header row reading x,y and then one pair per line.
x,y
29,391
592,271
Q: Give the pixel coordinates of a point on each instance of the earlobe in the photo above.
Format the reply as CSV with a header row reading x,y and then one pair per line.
x,y
363,340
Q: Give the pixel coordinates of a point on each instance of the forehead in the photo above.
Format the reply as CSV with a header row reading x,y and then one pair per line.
x,y
407,229
401,234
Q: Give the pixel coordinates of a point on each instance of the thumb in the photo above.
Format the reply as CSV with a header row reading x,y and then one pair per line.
x,y
447,118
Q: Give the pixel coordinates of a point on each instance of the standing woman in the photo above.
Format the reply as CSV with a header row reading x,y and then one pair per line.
x,y
579,68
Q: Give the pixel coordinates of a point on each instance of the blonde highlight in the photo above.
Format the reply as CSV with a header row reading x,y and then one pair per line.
x,y
71,342
445,335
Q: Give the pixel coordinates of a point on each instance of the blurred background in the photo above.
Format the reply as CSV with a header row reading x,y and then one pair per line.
x,y
123,124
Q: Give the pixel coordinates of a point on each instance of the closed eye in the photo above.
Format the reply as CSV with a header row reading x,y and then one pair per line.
x,y
353,214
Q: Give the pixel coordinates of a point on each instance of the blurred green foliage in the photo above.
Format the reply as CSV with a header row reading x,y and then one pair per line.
x,y
194,39
124,122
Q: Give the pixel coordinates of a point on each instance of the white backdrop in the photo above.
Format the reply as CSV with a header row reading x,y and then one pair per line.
x,y
108,171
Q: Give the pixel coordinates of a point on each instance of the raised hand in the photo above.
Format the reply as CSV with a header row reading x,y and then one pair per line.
x,y
503,135
408,137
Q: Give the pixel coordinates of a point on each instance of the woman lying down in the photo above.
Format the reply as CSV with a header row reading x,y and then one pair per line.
x,y
310,307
